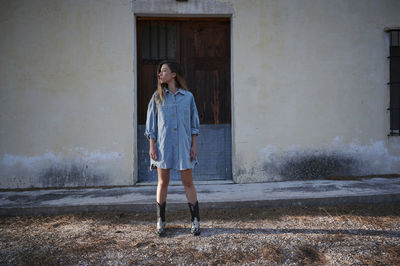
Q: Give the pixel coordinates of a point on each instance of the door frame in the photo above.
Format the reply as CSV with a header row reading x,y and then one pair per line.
x,y
175,9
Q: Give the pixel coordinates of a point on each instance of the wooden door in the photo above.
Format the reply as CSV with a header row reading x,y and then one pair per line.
x,y
202,47
206,56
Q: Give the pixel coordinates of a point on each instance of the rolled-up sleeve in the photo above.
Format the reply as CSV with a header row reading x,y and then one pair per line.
x,y
151,120
194,118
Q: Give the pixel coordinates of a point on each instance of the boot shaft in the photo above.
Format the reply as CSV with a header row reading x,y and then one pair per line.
x,y
194,210
161,211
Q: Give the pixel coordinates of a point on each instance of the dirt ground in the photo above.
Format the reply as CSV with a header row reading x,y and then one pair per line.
x,y
353,234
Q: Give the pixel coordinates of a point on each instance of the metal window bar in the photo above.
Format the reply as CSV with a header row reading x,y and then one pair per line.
x,y
394,35
150,40
166,40
158,40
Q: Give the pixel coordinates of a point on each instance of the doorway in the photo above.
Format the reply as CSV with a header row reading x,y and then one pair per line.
x,y
202,47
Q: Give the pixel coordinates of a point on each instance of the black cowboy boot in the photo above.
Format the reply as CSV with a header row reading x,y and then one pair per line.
x,y
161,219
194,211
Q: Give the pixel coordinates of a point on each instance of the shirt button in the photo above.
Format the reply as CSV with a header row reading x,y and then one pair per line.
x,y
174,129
174,115
176,144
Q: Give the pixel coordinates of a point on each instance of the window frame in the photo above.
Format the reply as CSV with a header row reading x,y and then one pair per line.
x,y
394,41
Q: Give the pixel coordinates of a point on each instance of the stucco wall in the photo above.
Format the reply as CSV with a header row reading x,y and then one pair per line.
x,y
310,89
309,93
66,81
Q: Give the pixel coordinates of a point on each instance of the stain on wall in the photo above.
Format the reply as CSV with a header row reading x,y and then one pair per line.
x,y
334,160
71,175
312,165
61,170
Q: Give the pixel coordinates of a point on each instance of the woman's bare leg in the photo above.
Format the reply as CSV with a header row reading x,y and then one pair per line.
x,y
162,186
187,181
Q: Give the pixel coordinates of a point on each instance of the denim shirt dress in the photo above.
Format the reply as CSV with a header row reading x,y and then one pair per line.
x,y
172,125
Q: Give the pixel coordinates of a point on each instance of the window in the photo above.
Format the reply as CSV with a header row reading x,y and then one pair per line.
x,y
158,41
394,82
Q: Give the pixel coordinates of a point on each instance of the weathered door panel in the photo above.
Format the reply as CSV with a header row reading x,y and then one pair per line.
x,y
206,58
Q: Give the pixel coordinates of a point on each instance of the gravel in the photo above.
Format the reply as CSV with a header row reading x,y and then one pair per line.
x,y
345,235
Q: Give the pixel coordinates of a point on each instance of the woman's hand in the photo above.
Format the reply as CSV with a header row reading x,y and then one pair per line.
x,y
153,150
193,153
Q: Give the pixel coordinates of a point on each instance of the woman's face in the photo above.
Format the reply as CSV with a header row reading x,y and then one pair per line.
x,y
165,74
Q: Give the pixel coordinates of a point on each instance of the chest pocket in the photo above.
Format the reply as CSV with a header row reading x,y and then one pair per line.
x,y
166,114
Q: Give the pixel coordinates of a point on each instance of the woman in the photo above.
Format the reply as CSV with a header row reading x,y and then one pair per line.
x,y
172,126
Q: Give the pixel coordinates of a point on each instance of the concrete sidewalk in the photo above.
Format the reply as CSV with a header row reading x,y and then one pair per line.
x,y
216,194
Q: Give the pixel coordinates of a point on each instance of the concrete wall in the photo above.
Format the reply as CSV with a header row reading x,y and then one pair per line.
x,y
66,81
308,89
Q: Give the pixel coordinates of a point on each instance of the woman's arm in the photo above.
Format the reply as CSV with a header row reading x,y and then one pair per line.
x,y
151,128
151,120
194,118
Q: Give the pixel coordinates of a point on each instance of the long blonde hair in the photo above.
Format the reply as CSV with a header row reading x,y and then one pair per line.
x,y
179,80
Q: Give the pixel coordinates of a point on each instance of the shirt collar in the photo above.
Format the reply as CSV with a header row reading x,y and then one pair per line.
x,y
180,90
